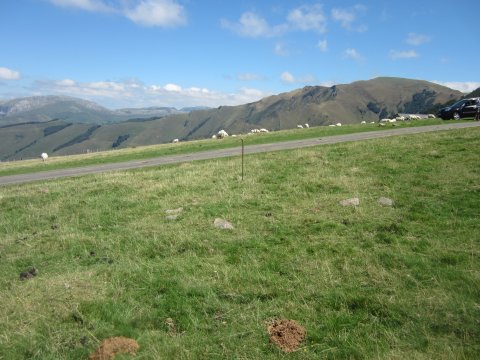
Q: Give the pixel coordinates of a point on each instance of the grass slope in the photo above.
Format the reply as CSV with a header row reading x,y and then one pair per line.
x,y
145,152
395,282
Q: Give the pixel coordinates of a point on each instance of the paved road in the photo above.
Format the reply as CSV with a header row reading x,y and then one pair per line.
x,y
251,149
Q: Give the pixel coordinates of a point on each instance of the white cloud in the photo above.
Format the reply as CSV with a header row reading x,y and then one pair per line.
x,y
303,18
134,93
253,25
173,87
288,78
8,74
66,82
249,77
89,5
417,39
465,87
280,49
353,54
323,45
164,13
308,17
406,54
347,17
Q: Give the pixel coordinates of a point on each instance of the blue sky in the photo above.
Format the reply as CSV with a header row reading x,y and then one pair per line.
x,y
135,53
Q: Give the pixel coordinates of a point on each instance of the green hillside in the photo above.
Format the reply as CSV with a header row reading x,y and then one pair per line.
x,y
370,281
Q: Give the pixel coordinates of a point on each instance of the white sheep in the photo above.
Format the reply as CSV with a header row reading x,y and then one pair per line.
x,y
363,122
338,124
392,120
385,120
214,136
175,141
431,116
400,118
44,156
331,125
307,126
221,134
264,130
254,131
299,126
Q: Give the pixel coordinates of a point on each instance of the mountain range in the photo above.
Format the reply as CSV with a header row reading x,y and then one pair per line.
x,y
74,110
65,125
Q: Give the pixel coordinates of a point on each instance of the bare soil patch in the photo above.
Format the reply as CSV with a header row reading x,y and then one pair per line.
x,y
113,346
286,334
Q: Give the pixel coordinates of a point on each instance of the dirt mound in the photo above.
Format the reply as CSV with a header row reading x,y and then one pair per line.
x,y
113,346
286,334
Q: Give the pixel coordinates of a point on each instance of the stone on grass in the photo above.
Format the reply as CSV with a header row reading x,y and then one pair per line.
x,y
385,201
173,214
350,202
174,211
222,224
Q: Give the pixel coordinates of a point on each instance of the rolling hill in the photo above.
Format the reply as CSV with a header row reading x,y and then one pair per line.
x,y
317,105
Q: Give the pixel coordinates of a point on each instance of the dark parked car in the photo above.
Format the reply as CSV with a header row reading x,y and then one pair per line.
x,y
461,109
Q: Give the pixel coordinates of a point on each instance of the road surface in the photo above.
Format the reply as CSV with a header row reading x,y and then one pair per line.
x,y
213,154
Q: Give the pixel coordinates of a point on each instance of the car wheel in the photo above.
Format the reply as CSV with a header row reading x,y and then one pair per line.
x,y
456,116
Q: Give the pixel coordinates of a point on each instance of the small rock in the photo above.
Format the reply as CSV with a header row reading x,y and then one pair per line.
x,y
350,202
222,224
174,211
385,201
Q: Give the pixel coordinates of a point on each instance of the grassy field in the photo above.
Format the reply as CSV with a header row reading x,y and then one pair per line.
x,y
370,281
146,152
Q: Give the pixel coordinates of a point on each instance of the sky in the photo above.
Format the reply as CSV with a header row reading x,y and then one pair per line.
x,y
180,53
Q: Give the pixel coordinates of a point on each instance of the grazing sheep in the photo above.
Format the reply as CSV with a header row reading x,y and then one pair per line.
x,y
431,116
221,134
307,126
175,141
299,126
44,156
400,118
363,122
392,120
254,131
264,130
372,122
331,125
338,124
214,136
385,120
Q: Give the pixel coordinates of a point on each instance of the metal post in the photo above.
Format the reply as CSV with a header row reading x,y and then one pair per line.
x,y
242,156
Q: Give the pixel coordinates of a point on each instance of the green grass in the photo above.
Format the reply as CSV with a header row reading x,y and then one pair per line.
x,y
146,152
397,282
